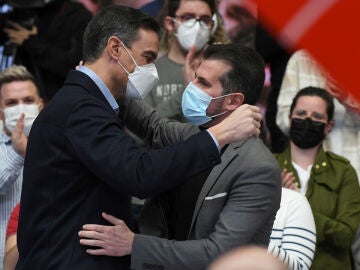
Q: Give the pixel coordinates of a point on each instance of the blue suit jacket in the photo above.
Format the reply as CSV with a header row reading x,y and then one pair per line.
x,y
79,163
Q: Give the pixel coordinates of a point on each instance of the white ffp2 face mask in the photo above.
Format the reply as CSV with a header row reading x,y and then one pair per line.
x,y
12,115
141,81
192,34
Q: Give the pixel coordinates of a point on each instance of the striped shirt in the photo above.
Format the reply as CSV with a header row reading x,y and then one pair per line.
x,y
293,237
11,165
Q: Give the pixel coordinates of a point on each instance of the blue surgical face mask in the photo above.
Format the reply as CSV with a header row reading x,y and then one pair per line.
x,y
195,103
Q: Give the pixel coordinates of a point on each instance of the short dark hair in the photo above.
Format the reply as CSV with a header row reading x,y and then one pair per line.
x,y
317,92
248,70
122,22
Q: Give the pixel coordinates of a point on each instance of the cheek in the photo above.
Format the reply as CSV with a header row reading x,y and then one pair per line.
x,y
215,107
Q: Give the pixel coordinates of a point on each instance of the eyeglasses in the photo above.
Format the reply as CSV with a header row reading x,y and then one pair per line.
x,y
191,19
314,116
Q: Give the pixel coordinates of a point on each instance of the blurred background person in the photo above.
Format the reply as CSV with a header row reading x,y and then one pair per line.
x,y
20,103
95,5
303,70
293,237
248,258
186,24
50,43
240,20
328,180
244,27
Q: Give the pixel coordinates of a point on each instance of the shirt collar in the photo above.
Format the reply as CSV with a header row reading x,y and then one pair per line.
x,y
103,88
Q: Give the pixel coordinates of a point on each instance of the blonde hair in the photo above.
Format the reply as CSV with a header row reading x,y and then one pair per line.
x,y
15,73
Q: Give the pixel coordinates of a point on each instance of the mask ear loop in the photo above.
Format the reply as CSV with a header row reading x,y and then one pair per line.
x,y
123,67
216,115
132,58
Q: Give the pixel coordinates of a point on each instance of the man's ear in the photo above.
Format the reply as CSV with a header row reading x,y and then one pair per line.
x,y
114,47
169,24
234,101
42,104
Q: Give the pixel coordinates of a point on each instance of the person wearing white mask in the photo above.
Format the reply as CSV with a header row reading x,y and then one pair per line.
x,y
187,24
20,103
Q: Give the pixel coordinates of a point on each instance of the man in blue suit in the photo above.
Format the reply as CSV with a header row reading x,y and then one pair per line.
x,y
80,161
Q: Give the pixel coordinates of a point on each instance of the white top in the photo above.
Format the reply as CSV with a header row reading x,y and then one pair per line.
x,y
304,176
293,236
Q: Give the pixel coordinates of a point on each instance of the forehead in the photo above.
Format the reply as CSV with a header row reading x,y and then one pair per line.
x,y
311,104
212,70
18,90
194,7
147,42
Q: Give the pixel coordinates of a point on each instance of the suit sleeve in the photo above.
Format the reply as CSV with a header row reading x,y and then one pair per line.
x,y
150,126
252,201
96,138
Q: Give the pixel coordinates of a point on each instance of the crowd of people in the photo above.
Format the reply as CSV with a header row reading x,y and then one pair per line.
x,y
136,135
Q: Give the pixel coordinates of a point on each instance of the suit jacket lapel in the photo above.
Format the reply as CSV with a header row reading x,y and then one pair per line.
x,y
226,158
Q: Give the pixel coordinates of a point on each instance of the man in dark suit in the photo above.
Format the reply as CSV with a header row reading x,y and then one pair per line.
x,y
219,209
80,161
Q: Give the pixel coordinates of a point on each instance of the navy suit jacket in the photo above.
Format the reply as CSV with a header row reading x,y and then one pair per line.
x,y
79,163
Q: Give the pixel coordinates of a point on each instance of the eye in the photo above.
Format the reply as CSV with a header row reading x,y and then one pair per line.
x,y
300,113
185,17
29,100
317,116
11,102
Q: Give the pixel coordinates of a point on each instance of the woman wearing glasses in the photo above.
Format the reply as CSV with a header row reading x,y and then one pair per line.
x,y
186,23
328,181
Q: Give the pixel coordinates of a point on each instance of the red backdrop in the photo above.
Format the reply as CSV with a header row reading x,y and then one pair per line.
x,y
328,29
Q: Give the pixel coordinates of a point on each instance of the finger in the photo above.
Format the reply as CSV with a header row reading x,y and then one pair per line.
x,y
257,116
17,25
91,235
19,127
92,243
113,220
96,251
94,227
191,55
254,108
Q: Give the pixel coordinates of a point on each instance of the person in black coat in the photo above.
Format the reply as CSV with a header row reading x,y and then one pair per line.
x,y
53,45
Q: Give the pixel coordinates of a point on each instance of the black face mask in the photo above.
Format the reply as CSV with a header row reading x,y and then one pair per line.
x,y
306,133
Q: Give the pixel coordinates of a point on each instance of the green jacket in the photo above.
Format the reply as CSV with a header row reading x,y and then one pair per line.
x,y
334,195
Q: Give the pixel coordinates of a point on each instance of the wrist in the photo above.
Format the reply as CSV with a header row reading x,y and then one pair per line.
x,y
219,135
130,244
